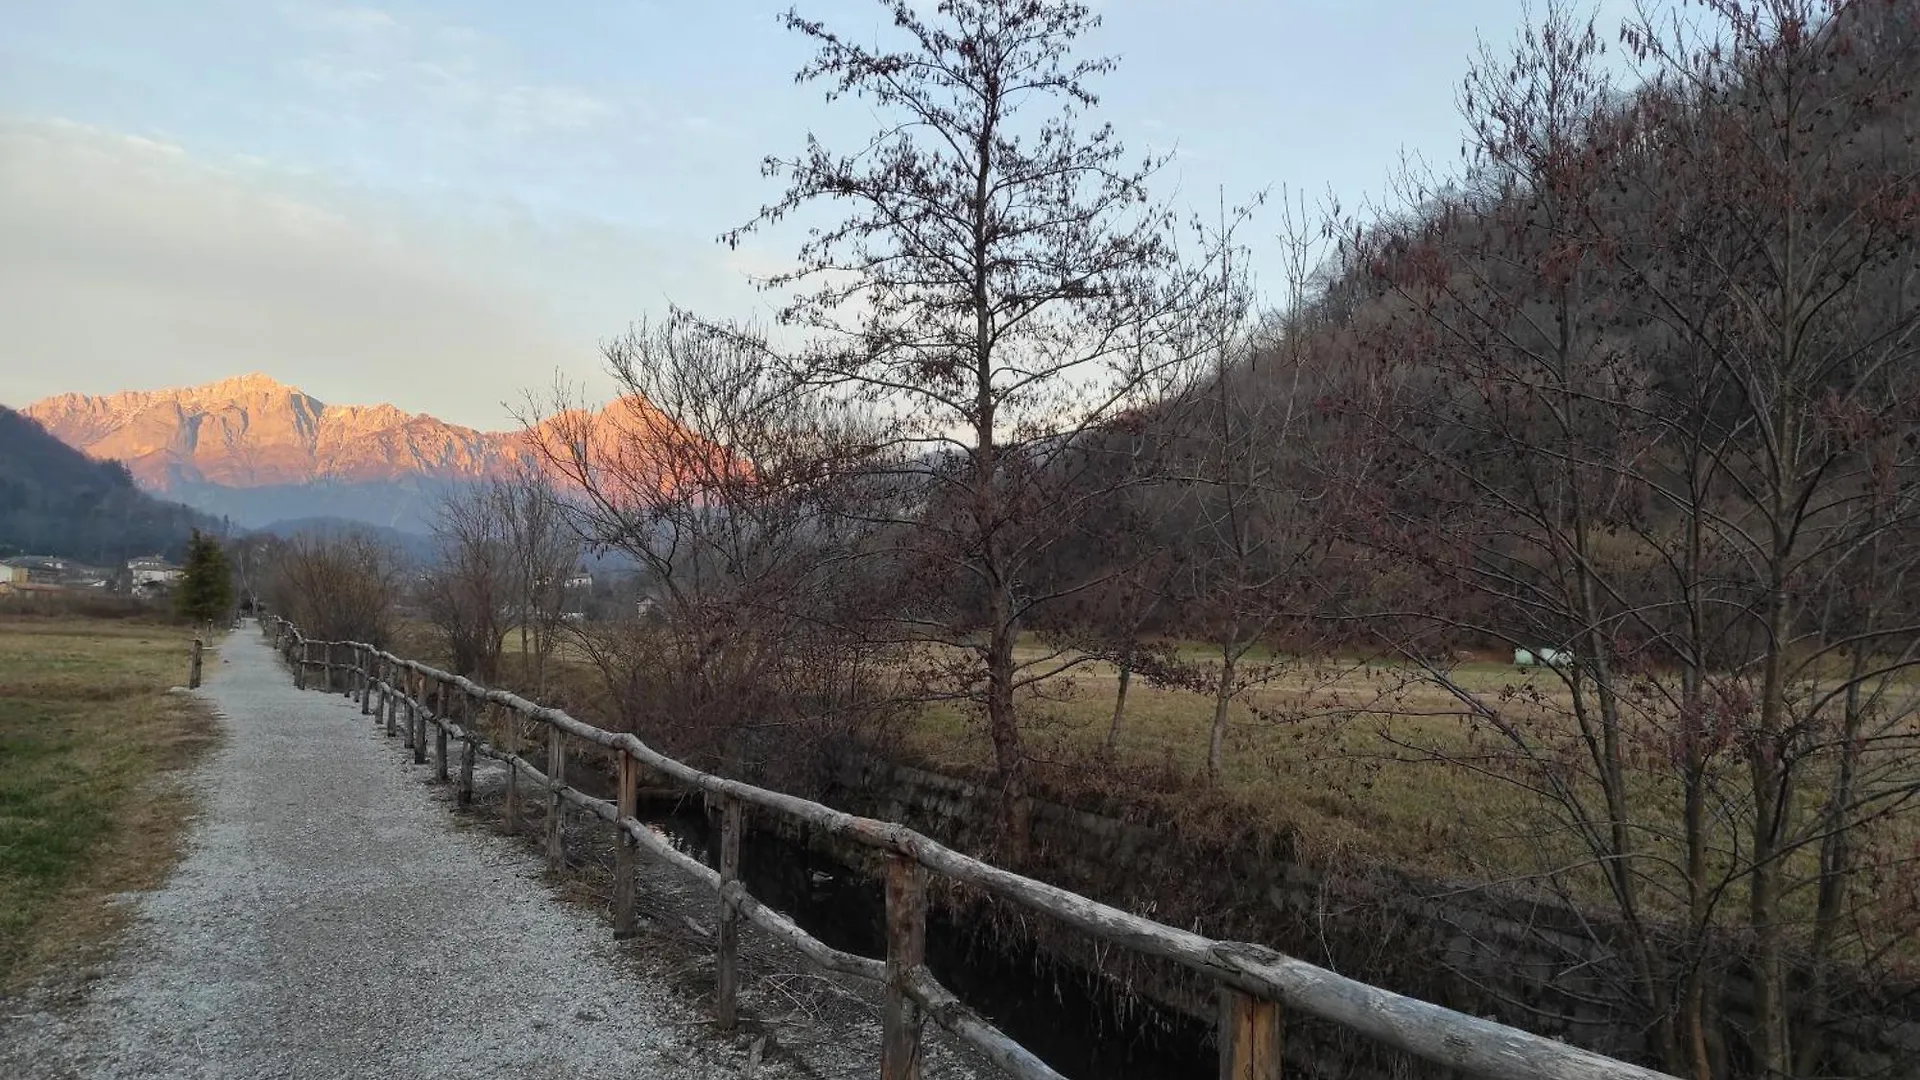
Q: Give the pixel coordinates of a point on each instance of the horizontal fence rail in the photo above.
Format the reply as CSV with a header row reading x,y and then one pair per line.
x,y
1256,984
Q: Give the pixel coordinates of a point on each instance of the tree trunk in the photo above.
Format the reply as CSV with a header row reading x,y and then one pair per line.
x,y
1120,703
1222,705
542,645
1003,726
1770,796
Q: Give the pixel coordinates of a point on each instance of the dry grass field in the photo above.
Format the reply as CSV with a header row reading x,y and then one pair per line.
x,y
1344,761
90,742
1328,753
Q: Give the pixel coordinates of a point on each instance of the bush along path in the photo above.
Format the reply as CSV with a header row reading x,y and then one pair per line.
x,y
330,920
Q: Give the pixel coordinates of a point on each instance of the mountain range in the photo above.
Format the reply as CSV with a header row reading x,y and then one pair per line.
x,y
257,451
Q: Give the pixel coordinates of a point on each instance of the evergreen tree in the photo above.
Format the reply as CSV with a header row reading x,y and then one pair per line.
x,y
206,592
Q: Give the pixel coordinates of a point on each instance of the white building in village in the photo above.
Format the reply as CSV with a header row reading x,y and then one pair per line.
x,y
153,570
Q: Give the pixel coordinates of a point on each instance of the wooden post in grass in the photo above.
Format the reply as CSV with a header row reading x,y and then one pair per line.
x,y
624,856
394,703
556,778
906,950
193,669
300,669
727,964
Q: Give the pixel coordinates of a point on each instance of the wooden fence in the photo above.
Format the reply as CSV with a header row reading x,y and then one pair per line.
x,y
1256,984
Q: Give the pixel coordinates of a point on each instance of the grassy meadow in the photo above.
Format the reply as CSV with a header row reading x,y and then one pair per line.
x,y
1322,753
1326,752
1349,760
88,737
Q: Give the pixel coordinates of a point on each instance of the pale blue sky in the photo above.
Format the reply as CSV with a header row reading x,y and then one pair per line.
x,y
442,204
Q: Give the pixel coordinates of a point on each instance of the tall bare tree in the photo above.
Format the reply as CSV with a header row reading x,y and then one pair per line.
x,y
1001,284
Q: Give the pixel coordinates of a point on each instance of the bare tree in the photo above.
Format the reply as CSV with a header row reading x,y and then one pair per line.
x,y
471,593
1647,385
544,550
1242,494
338,587
1002,287
726,488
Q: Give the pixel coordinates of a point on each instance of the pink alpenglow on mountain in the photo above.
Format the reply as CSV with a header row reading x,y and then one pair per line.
x,y
251,431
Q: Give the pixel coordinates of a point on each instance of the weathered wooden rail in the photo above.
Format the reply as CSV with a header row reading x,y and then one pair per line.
x,y
1256,984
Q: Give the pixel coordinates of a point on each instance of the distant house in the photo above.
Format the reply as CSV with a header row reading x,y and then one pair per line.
x,y
580,579
41,568
51,570
152,570
11,577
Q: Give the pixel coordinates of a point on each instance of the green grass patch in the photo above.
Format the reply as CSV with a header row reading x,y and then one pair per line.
x,y
86,727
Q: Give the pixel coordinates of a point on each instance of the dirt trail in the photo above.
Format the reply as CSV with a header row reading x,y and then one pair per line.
x,y
330,920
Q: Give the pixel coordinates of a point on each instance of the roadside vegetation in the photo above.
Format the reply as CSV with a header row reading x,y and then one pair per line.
x,y
90,807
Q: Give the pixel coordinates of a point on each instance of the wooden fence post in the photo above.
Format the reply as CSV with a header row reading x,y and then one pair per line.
x,y
1249,1036
467,749
363,663
727,963
300,669
193,669
440,739
510,736
394,703
420,726
556,776
906,950
414,705
415,702
624,859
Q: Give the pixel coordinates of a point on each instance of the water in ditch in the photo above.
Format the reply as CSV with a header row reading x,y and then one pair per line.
x,y
1058,1012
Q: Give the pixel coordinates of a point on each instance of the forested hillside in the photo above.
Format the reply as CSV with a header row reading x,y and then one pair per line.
x,y
54,500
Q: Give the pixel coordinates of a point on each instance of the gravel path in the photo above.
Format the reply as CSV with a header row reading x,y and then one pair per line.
x,y
329,920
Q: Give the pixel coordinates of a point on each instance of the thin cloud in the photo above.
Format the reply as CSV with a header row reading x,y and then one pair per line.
x,y
451,76
127,262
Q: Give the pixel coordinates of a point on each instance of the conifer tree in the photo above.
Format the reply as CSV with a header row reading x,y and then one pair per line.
x,y
206,592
